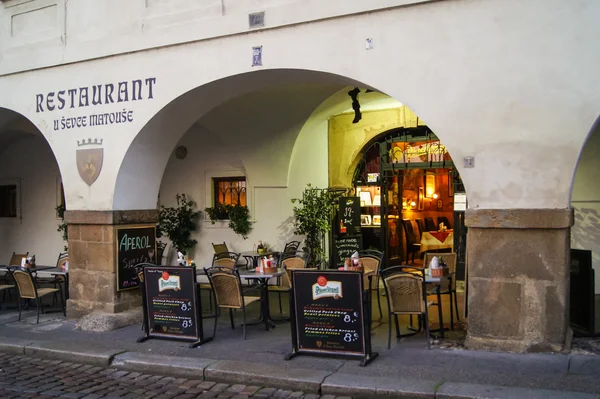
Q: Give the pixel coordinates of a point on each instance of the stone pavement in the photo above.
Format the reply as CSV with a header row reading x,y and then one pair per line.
x,y
29,377
408,369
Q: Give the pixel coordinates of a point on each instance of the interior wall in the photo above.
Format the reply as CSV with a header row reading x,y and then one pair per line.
x,y
31,161
585,233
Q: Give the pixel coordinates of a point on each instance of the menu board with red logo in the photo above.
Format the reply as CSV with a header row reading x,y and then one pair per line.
x,y
171,302
328,313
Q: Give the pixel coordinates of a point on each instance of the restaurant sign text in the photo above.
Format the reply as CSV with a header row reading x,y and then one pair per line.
x,y
90,96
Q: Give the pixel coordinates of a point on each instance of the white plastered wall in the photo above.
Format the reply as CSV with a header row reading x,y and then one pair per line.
x,y
494,79
31,163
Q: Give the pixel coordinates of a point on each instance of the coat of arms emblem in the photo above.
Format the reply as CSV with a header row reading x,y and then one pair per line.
x,y
89,160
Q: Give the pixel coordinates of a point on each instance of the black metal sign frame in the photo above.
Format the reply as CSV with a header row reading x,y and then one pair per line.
x,y
198,336
299,346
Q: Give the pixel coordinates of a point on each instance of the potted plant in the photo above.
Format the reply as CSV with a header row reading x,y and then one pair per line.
x,y
178,223
238,216
312,219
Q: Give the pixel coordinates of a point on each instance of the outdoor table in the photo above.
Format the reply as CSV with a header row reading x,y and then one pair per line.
x,y
263,279
54,272
255,255
434,240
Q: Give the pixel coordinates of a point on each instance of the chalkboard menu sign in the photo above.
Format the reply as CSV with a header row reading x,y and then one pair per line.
x,y
343,248
330,314
171,304
135,244
349,214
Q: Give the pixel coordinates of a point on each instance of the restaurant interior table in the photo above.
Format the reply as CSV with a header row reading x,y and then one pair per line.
x,y
435,240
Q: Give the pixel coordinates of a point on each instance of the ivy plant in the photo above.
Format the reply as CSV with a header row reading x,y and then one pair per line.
x,y
178,223
238,216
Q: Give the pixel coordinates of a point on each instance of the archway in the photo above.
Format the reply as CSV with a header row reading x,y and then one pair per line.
x,y
30,191
585,239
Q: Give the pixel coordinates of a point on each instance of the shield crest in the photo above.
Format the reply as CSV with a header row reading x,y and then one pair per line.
x,y
89,164
319,343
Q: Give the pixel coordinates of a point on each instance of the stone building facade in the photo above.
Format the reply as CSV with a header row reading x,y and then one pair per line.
x,y
249,86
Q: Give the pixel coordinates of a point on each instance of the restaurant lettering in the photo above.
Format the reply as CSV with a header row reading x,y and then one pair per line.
x,y
109,93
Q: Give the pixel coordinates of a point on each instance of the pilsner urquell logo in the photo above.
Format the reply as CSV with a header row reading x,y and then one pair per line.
x,y
167,282
325,289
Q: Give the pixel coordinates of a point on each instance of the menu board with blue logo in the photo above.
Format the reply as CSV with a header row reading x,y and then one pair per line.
x,y
329,314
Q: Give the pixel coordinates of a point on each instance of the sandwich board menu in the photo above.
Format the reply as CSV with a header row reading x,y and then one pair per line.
x,y
171,304
330,314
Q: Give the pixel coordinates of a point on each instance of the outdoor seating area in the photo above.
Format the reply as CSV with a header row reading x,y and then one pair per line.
x,y
26,284
395,293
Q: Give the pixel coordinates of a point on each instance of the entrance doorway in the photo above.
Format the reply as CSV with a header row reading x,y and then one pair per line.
x,y
411,198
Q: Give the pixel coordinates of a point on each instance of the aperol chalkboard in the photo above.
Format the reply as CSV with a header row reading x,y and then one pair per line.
x,y
135,245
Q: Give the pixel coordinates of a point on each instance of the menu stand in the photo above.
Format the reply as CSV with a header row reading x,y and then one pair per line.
x,y
188,310
353,345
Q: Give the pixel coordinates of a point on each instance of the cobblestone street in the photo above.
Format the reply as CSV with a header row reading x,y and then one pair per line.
x,y
28,377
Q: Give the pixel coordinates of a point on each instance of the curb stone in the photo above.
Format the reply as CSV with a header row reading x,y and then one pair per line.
x,y
91,355
363,386
14,346
296,379
185,367
457,390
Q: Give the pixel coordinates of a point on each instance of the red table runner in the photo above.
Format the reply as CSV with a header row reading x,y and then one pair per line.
x,y
441,235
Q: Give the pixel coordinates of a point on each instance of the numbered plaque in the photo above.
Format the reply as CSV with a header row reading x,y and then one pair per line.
x,y
349,214
171,302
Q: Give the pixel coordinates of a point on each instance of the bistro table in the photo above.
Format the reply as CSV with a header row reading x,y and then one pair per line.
x,y
45,271
263,283
255,255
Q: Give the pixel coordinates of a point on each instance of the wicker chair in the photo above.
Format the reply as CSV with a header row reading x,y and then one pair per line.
x,y
227,288
447,287
285,283
220,250
406,295
223,259
6,278
28,290
295,260
371,260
